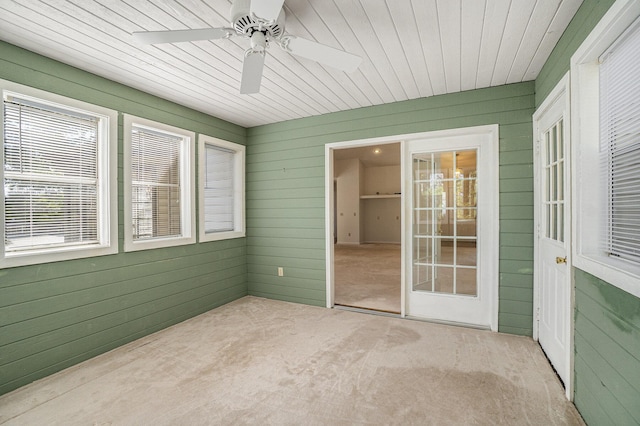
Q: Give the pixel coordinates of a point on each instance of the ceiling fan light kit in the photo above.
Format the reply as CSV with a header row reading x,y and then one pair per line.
x,y
262,22
246,21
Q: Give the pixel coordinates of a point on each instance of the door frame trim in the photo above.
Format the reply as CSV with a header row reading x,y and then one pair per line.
x,y
403,139
561,89
329,208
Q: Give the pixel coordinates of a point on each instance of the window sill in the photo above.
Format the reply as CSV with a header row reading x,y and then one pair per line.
x,y
619,273
218,236
60,254
157,243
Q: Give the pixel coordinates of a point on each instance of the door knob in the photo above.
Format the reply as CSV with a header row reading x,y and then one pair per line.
x,y
560,260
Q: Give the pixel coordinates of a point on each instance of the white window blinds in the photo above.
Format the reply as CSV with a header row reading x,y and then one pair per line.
x,y
219,189
155,184
620,144
50,176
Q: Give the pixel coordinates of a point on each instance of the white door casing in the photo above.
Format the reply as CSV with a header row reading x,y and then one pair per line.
x,y
491,133
437,277
553,294
330,206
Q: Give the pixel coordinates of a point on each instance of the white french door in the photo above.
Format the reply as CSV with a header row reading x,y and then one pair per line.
x,y
453,238
552,272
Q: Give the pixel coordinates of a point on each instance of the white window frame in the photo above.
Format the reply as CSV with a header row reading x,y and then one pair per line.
x,y
239,188
589,212
187,182
107,181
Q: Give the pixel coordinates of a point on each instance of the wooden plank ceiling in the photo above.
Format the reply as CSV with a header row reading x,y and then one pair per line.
x,y
410,49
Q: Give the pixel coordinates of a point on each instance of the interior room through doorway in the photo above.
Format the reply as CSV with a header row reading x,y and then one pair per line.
x,y
367,250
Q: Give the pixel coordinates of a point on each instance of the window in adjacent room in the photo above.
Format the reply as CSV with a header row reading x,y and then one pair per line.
x,y
159,185
221,189
606,105
59,178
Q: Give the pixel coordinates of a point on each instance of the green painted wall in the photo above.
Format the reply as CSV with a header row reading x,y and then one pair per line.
x,y
285,190
587,16
607,319
607,353
55,315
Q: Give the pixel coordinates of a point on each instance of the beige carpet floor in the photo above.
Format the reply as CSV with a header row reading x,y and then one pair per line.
x,y
261,362
367,276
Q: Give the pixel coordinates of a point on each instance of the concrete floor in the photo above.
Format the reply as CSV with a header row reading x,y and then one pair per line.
x,y
258,361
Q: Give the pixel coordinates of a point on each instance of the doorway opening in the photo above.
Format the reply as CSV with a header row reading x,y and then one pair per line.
x,y
367,227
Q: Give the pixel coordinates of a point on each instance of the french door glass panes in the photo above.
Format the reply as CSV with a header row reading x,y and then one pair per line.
x,y
445,204
554,183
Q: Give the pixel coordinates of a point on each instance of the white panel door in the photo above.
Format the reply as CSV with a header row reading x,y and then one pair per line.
x,y
452,254
552,269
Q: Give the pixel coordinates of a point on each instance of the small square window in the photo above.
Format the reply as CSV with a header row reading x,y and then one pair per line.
x,y
221,179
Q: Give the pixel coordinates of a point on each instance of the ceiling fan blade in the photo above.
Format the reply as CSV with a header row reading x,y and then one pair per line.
x,y
176,36
324,54
252,72
266,9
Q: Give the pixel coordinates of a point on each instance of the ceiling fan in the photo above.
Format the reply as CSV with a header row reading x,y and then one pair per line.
x,y
262,22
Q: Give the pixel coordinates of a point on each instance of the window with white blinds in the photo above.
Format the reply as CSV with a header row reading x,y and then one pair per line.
x,y
155,175
218,189
605,149
50,176
55,186
620,144
159,185
221,189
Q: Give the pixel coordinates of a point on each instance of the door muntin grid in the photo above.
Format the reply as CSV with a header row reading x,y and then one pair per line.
x,y
554,163
444,210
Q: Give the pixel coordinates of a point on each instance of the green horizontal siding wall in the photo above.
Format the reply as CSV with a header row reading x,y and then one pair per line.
x,y
607,353
607,327
285,190
57,314
557,65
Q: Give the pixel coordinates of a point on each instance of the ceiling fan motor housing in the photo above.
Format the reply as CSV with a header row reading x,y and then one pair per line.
x,y
245,24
